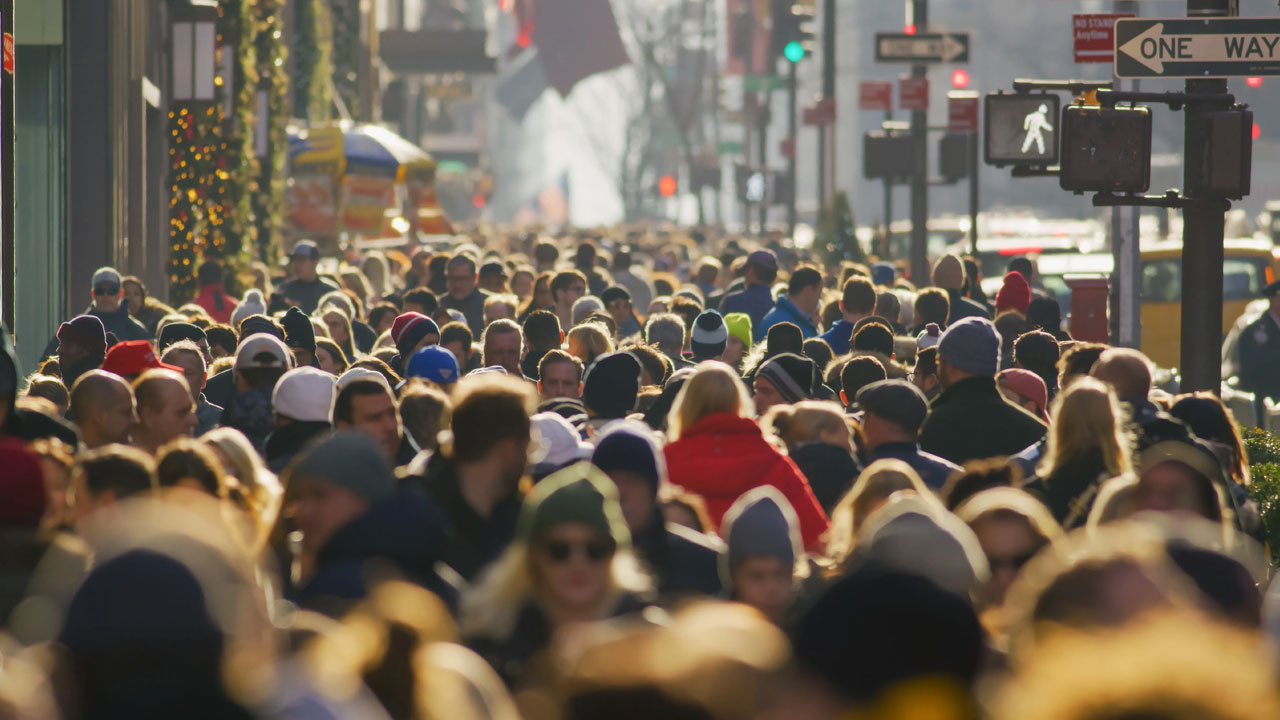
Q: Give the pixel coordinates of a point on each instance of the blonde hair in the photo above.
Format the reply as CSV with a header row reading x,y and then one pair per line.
x,y
873,487
490,609
1087,415
806,422
588,337
712,388
250,486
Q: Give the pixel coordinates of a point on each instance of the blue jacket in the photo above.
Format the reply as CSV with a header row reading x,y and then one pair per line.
x,y
839,337
932,469
784,311
754,300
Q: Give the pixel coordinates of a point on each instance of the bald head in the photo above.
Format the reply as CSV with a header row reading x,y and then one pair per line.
x,y
102,405
165,408
1127,371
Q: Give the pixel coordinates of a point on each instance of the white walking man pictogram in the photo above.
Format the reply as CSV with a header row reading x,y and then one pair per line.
x,y
1035,124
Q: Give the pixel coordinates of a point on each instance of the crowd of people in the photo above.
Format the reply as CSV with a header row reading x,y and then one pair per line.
x,y
627,474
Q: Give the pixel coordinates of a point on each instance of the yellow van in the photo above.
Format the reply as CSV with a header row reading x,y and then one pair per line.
x,y
1248,267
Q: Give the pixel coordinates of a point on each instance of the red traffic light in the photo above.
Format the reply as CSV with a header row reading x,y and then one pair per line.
x,y
1253,82
667,186
478,200
909,30
960,78
1257,131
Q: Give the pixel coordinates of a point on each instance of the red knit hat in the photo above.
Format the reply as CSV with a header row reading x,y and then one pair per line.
x,y
22,490
403,322
133,357
1015,294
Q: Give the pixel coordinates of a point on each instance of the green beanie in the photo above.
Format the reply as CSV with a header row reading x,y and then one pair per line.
x,y
739,325
580,493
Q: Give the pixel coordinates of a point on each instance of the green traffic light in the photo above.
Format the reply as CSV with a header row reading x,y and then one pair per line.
x,y
793,51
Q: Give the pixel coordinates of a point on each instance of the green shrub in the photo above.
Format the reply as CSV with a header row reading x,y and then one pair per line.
x,y
1263,450
1260,446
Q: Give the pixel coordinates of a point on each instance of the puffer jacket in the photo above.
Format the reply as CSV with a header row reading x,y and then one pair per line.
x,y
723,456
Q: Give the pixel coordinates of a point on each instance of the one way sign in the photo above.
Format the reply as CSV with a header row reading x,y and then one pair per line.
x,y
1186,48
922,48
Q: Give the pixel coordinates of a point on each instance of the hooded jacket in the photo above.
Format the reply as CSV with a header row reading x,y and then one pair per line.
x,y
722,456
971,421
119,323
784,311
404,533
27,424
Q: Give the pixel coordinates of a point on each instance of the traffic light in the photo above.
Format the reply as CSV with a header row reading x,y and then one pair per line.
x,y
1021,129
667,186
793,28
1106,149
960,78
953,156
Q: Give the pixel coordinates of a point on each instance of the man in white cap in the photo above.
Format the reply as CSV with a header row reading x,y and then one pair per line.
x,y
302,402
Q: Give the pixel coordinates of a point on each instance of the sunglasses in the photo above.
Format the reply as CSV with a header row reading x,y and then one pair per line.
x,y
107,290
596,551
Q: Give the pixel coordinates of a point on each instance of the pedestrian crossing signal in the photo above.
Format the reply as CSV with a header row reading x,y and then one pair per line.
x,y
1106,149
1021,129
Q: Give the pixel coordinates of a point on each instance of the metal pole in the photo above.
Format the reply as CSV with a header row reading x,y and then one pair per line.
x,y
791,139
888,205
1127,278
920,176
829,94
1202,236
973,193
762,140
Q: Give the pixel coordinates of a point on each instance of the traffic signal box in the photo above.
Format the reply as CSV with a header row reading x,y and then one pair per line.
x,y
1106,149
1228,153
887,154
953,156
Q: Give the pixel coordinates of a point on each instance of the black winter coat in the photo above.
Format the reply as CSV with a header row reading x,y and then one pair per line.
x,y
681,560
402,534
971,421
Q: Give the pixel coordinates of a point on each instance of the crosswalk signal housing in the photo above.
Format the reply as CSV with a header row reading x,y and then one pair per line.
x,y
1021,129
953,156
1106,149
1228,153
888,155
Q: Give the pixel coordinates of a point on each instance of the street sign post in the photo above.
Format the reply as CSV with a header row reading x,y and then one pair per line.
x,y
913,93
875,95
1093,36
931,48
1197,48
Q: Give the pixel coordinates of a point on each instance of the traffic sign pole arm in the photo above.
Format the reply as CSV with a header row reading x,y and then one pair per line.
x,y
1175,100
1076,87
1170,199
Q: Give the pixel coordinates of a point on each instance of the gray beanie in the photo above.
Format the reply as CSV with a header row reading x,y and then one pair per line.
x,y
761,522
972,345
351,460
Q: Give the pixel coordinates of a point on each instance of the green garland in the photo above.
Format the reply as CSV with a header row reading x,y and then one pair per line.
x,y
313,61
223,202
271,54
346,53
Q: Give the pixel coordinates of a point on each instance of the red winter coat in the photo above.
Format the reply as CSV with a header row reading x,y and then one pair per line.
x,y
723,456
209,298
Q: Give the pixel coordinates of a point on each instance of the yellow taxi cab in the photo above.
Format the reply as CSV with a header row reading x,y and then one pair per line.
x,y
1248,267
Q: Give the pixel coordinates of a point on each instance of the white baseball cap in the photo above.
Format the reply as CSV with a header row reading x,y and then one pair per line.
x,y
304,394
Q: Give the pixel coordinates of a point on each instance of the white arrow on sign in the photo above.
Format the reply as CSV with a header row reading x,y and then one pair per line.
x,y
1153,48
946,47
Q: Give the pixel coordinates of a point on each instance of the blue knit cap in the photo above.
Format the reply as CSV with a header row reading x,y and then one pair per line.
x,y
972,345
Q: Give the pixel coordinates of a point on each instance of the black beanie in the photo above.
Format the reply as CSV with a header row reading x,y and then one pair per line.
x,y
795,376
298,330
784,337
175,332
255,324
414,333
612,385
709,336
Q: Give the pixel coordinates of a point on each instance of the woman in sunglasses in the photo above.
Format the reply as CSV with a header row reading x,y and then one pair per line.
x,y
1012,526
570,563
